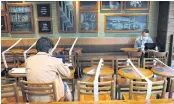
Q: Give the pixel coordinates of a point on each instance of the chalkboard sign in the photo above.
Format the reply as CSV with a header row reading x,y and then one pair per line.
x,y
43,10
45,27
136,5
3,23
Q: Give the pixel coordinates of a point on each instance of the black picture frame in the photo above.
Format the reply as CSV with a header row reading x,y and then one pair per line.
x,y
125,22
43,10
4,27
136,5
111,5
45,26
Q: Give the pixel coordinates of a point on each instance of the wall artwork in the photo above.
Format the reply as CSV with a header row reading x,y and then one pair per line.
x,y
3,6
88,21
66,16
125,22
88,5
111,5
4,23
43,10
136,5
45,26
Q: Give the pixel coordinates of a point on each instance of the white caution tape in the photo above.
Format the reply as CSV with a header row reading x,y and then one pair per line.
x,y
55,46
96,79
25,52
3,53
70,51
163,63
149,82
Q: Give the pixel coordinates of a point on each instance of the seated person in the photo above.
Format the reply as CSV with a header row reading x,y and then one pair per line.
x,y
42,67
139,43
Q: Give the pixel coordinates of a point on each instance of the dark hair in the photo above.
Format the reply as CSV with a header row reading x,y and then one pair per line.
x,y
44,44
145,30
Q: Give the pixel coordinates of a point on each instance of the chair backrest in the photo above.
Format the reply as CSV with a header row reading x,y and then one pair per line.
x,y
161,56
9,90
71,57
107,62
140,87
87,88
135,54
41,89
122,62
171,89
148,63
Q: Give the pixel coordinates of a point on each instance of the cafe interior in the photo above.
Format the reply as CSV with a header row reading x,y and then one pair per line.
x,y
97,52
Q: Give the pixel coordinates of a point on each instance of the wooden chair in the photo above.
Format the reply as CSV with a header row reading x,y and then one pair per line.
x,y
71,78
107,61
135,54
148,63
161,56
171,91
86,90
122,84
9,93
39,90
138,89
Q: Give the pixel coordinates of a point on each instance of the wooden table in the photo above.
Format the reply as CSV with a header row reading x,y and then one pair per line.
x,y
59,50
163,71
106,71
32,51
130,74
155,101
14,51
76,50
128,50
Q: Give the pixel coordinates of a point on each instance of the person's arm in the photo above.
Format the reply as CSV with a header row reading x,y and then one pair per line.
x,y
150,40
61,69
136,44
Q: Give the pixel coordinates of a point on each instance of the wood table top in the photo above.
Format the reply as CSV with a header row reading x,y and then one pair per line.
x,y
104,72
14,51
163,71
59,49
24,74
131,74
129,49
154,101
77,50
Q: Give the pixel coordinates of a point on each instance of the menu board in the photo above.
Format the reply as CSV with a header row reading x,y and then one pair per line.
x,y
43,10
3,23
45,27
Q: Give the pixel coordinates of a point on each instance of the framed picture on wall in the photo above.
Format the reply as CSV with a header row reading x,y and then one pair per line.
x,y
125,22
4,23
43,10
136,5
45,26
88,5
66,16
3,6
88,21
111,5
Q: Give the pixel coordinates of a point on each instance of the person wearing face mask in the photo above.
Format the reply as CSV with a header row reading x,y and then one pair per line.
x,y
42,67
140,42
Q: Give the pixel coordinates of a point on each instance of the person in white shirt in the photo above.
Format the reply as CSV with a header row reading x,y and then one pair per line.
x,y
140,42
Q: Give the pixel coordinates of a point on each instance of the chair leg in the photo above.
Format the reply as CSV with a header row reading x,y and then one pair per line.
x,y
73,88
118,89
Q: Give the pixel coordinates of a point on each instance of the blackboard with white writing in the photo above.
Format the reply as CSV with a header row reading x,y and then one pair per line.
x,y
2,23
43,10
45,27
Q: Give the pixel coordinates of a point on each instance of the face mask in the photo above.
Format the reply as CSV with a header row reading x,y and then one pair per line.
x,y
145,38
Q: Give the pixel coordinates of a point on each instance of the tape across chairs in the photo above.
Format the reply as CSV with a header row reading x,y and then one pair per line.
x,y
3,53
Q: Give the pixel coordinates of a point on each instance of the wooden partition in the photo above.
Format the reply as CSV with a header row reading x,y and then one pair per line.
x,y
92,43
